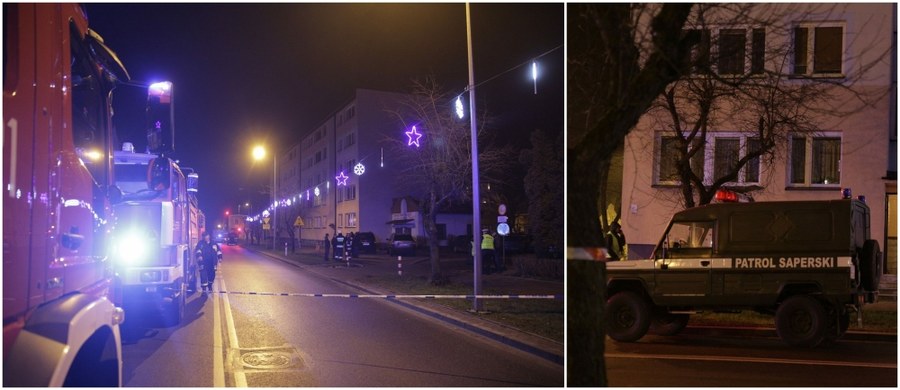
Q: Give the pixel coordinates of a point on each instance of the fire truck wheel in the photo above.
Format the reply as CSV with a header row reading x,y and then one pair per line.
x,y
175,312
628,316
668,324
801,321
870,265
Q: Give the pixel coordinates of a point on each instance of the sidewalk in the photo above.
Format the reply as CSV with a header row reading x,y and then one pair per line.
x,y
453,267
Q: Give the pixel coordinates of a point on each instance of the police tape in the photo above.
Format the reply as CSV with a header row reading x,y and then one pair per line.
x,y
392,296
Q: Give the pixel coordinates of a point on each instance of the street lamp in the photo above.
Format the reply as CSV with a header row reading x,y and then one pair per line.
x,y
476,208
259,153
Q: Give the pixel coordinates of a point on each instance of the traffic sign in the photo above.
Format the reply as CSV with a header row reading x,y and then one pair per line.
x,y
502,209
266,226
502,219
299,222
502,229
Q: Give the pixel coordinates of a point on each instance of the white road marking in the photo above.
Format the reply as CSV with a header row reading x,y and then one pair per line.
x,y
218,364
240,378
743,359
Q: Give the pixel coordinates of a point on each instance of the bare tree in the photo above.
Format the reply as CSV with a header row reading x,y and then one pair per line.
x,y
743,80
621,57
438,172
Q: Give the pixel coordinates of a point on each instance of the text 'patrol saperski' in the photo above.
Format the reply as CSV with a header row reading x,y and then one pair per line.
x,y
785,262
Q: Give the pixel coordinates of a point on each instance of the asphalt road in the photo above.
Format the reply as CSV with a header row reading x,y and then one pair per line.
x,y
236,339
699,360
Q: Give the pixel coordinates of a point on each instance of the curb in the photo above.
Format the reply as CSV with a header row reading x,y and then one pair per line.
x,y
763,332
544,348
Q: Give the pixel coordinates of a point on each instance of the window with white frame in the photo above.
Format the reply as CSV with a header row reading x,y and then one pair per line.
x,y
668,155
727,49
717,157
351,219
818,49
815,160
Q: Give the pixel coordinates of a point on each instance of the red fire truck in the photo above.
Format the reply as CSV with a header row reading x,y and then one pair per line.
x,y
157,225
60,320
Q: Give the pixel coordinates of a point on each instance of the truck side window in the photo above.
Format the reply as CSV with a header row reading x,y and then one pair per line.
x,y
691,238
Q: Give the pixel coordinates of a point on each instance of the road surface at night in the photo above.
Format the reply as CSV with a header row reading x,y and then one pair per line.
x,y
234,339
704,360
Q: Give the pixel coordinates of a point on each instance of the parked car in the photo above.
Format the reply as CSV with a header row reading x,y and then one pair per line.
x,y
401,244
232,239
366,242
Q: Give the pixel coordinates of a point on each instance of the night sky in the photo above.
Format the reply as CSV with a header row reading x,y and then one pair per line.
x,y
247,74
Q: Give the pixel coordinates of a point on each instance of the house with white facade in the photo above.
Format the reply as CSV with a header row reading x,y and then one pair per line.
x,y
846,138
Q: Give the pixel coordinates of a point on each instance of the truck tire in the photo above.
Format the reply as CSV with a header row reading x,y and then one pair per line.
x,y
870,265
837,326
628,316
801,321
668,324
173,314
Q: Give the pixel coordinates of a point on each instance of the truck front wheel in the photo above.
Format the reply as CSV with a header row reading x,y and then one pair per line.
x,y
801,321
628,316
173,314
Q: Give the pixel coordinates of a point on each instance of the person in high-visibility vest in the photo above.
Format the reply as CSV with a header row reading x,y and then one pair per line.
x,y
488,259
615,243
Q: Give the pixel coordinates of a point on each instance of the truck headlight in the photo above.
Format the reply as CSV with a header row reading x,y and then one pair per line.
x,y
132,248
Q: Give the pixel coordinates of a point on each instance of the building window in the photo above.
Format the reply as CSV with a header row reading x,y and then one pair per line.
x,y
727,151
716,159
351,219
669,154
758,51
818,50
351,139
815,160
340,219
731,48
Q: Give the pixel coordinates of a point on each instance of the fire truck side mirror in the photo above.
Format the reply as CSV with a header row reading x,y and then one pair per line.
x,y
161,118
158,174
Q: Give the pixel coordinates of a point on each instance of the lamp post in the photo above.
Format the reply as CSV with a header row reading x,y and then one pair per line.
x,y
259,153
476,207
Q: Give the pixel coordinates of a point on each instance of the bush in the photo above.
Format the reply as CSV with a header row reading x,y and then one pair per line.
x,y
534,267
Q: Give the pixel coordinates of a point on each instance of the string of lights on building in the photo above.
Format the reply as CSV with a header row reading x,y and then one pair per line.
x,y
414,138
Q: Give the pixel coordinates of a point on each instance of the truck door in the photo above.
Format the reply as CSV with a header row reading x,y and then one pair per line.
x,y
684,265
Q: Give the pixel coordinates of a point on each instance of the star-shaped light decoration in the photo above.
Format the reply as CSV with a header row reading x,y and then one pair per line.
x,y
414,137
359,169
341,179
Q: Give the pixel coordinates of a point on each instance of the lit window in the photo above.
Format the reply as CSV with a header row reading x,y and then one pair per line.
x,y
815,160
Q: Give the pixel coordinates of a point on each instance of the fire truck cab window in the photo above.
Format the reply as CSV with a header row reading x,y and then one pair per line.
x,y
88,108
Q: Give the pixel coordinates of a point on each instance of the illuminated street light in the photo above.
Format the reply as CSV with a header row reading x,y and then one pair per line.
x,y
259,153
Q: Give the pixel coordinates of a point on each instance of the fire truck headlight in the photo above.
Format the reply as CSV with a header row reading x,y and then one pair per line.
x,y
132,248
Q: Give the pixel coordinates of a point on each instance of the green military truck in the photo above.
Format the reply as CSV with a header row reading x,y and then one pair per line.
x,y
810,263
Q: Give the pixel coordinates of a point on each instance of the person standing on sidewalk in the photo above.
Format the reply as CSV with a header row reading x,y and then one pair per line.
x,y
615,243
327,247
